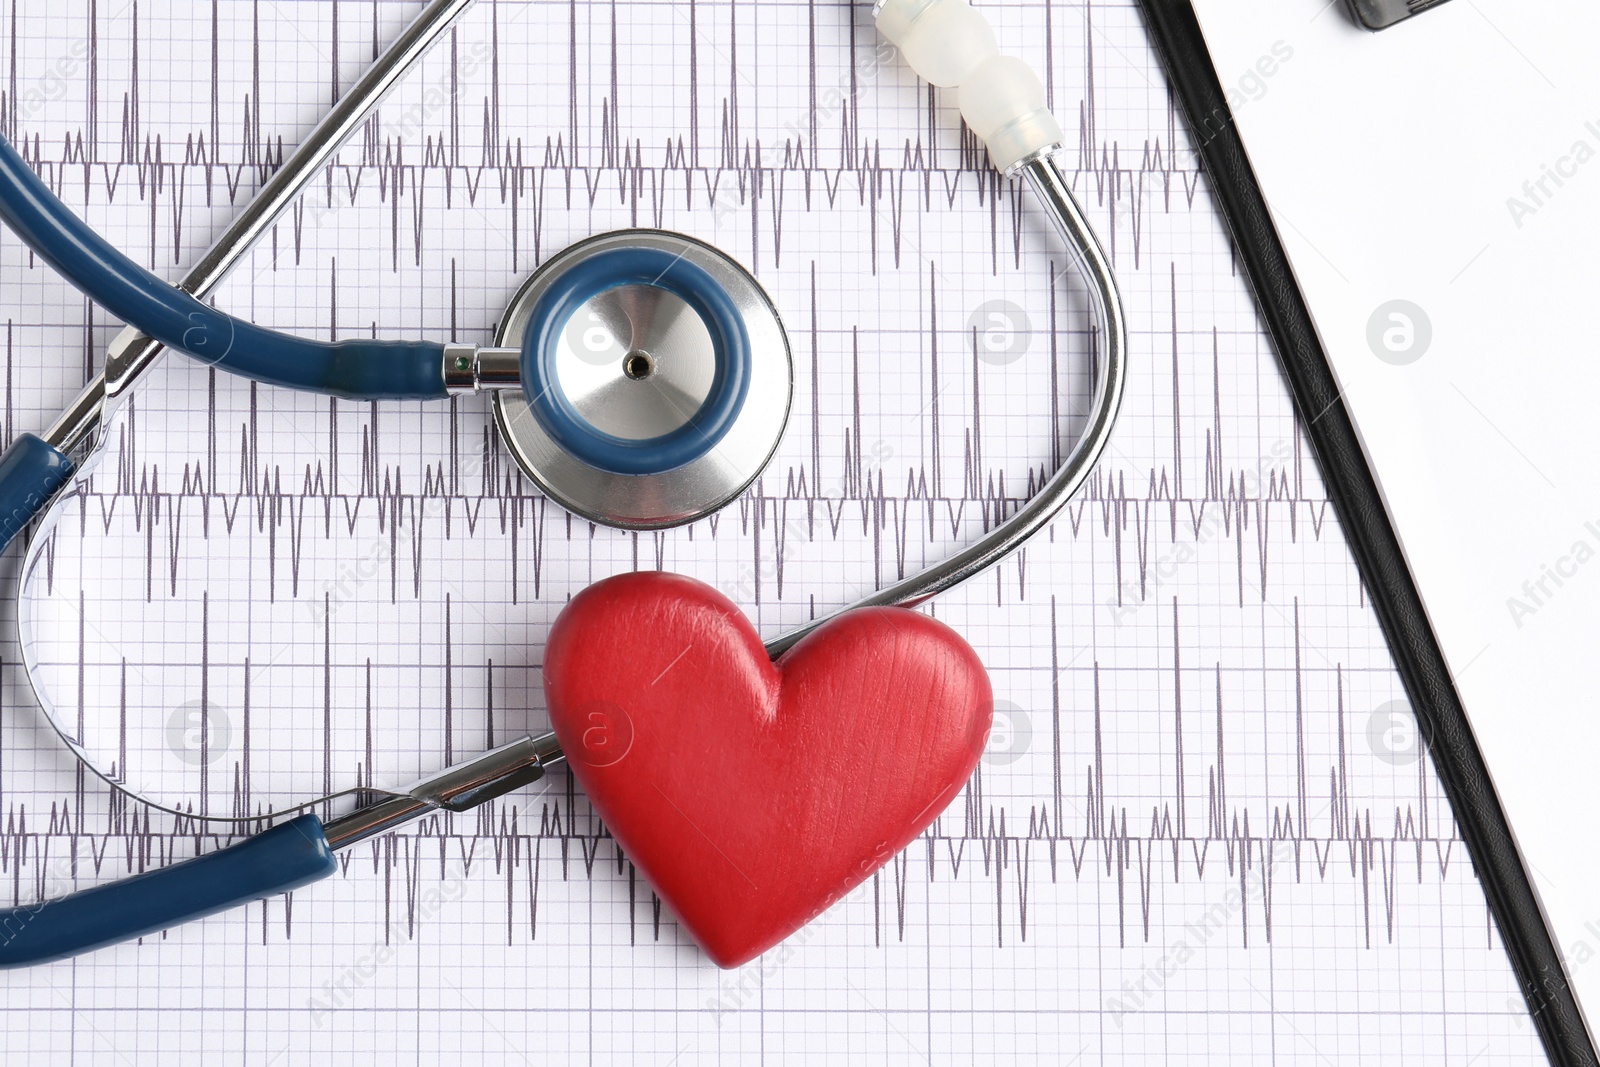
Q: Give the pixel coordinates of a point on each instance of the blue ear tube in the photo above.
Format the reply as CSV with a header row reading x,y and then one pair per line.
x,y
31,471
280,859
286,857
356,369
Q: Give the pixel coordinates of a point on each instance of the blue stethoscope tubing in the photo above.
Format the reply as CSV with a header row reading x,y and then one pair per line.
x,y
33,469
357,369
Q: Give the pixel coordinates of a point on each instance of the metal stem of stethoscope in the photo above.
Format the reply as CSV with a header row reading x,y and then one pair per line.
x,y
1044,176
132,353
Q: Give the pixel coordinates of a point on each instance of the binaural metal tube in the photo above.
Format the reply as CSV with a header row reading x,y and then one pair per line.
x,y
1049,184
82,417
458,788
132,353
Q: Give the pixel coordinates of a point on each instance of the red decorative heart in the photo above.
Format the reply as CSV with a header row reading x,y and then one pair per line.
x,y
752,795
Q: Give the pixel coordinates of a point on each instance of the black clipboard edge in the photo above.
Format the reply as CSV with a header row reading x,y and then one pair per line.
x,y
1459,762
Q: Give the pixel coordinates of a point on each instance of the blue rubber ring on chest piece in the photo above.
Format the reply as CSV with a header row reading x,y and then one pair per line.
x,y
635,266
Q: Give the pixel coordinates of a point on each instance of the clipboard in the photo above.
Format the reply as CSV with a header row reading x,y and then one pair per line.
x,y
1352,137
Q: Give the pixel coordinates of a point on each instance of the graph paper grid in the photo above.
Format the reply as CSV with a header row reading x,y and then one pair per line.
x,y
1203,830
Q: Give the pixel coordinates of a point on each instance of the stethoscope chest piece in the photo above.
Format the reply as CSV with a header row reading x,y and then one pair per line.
x,y
656,379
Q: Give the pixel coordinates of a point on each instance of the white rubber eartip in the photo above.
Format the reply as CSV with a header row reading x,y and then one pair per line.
x,y
1003,102
944,41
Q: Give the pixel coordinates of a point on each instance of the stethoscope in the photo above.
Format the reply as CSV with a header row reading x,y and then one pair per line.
x,y
640,378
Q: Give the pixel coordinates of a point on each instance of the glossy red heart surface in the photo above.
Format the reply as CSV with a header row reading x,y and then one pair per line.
x,y
753,794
